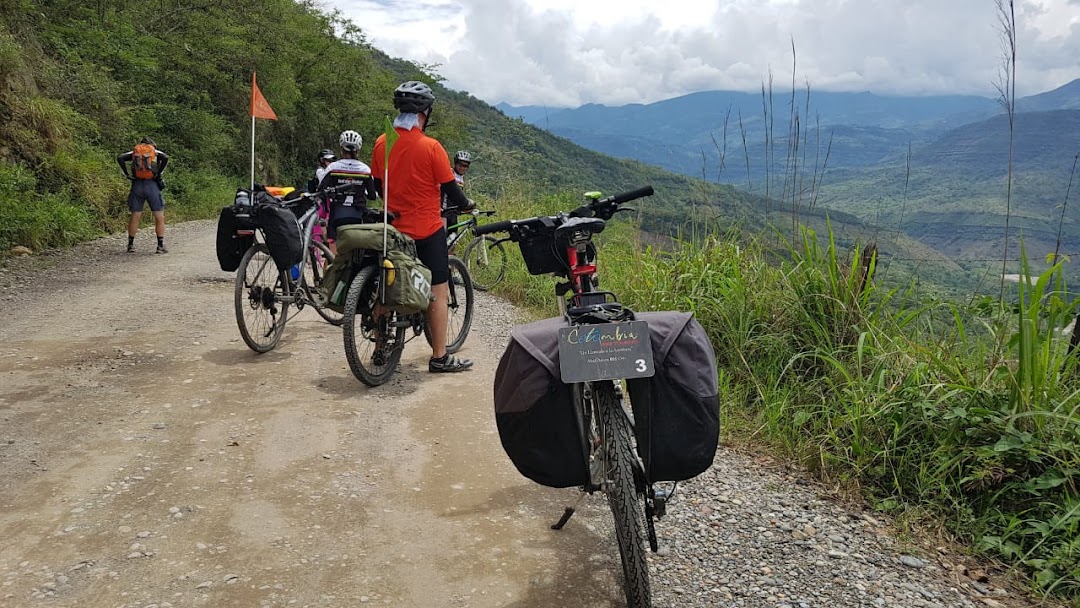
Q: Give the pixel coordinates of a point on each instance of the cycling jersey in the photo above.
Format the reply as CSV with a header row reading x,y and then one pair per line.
x,y
418,167
346,207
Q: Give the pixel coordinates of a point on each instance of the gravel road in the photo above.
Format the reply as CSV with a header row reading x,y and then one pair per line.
x,y
151,460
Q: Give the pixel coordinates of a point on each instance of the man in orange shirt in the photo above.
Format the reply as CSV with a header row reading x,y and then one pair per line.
x,y
419,176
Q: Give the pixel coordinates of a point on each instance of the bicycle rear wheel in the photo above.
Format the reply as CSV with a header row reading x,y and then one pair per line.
x,y
260,312
373,344
485,257
319,257
627,505
459,307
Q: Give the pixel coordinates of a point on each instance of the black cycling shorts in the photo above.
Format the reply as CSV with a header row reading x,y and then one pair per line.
x,y
433,253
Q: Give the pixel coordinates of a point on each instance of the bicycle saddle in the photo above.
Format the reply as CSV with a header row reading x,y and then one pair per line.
x,y
588,225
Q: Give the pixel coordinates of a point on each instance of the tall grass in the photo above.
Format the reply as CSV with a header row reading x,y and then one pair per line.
x,y
941,410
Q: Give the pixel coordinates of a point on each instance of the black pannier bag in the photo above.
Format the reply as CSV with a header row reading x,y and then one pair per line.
x,y
676,411
282,234
534,410
231,247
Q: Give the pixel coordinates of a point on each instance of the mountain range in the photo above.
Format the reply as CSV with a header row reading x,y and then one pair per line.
x,y
933,167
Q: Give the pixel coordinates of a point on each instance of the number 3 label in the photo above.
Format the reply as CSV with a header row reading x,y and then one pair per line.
x,y
641,365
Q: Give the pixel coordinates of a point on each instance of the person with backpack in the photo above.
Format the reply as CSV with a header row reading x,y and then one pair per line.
x,y
147,163
419,174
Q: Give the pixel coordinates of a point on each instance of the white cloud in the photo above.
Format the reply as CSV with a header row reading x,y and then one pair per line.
x,y
568,52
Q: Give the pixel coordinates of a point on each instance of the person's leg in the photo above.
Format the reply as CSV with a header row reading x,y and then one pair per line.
x,y
432,252
438,317
157,206
135,206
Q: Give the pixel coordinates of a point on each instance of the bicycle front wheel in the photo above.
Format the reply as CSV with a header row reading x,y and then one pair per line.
x,y
485,257
319,258
627,505
373,344
459,307
260,311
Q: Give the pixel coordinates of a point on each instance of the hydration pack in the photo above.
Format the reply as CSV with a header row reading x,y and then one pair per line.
x,y
144,161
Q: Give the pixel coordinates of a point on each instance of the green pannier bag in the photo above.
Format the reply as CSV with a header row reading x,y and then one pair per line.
x,y
411,290
336,272
370,236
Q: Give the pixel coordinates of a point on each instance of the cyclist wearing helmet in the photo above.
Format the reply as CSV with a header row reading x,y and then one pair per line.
x,y
419,176
461,166
326,156
346,206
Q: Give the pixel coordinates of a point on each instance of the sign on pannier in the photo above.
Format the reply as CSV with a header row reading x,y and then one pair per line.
x,y
282,234
534,409
231,247
677,410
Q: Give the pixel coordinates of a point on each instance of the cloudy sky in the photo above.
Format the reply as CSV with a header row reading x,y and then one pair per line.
x,y
570,52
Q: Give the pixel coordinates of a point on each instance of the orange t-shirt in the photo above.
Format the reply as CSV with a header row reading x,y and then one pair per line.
x,y
418,166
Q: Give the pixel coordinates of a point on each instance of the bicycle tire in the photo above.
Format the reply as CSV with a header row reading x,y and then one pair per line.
x,y
317,271
459,315
485,274
627,506
256,297
360,350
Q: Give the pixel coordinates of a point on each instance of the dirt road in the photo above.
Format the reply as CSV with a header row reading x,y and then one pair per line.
x,y
150,459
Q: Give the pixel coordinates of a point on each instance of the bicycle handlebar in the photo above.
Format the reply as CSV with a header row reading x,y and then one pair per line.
x,y
586,210
502,226
625,197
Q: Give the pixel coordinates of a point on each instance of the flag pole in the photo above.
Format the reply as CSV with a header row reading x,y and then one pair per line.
x,y
252,153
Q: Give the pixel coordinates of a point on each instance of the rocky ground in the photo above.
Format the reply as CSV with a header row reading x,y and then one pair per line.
x,y
150,460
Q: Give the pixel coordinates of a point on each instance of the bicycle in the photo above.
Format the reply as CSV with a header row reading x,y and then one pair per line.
x,y
484,256
562,245
263,293
374,335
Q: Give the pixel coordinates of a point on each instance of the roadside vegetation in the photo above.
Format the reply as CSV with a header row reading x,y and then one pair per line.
x,y
958,414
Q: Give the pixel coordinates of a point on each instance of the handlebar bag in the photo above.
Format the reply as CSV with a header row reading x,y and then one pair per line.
x,y
231,247
534,409
282,234
677,410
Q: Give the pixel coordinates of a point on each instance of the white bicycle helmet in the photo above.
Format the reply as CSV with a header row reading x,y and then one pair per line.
x,y
463,156
351,141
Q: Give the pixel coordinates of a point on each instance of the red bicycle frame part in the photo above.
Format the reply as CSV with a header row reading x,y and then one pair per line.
x,y
577,271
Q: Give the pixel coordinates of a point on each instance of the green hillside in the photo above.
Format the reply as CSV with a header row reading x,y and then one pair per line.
x,y
955,200
81,82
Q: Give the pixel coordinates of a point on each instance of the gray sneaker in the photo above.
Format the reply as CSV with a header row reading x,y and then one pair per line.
x,y
448,364
162,249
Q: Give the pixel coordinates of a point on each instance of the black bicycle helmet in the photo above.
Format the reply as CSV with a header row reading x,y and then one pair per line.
x,y
327,154
413,97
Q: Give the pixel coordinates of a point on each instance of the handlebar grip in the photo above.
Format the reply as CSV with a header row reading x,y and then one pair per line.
x,y
619,199
502,226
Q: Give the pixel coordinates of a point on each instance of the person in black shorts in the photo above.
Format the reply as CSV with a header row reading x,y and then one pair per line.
x,y
419,176
147,163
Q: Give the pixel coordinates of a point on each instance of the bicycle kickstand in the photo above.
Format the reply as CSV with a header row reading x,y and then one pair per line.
x,y
568,513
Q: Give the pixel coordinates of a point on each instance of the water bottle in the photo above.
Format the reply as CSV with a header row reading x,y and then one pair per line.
x,y
295,271
338,296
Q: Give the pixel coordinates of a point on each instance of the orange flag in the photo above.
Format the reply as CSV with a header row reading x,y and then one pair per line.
x,y
259,107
